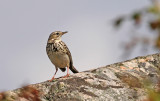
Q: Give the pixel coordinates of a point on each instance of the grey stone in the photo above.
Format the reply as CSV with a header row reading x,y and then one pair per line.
x,y
124,81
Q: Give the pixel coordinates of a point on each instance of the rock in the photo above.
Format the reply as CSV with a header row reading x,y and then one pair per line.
x,y
130,80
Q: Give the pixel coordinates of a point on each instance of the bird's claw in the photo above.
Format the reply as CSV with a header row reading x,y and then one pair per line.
x,y
51,79
66,76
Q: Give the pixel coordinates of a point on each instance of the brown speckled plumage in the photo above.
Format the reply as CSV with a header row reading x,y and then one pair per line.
x,y
59,53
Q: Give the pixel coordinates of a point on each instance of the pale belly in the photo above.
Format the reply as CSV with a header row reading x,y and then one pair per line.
x,y
59,60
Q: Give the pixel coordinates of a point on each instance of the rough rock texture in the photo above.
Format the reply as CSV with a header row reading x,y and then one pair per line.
x,y
124,81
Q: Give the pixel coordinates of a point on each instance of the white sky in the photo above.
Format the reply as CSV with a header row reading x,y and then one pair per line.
x,y
25,27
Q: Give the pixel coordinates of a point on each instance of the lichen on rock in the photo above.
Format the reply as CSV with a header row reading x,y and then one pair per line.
x,y
124,81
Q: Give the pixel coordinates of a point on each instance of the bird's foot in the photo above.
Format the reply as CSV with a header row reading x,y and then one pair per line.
x,y
51,79
66,76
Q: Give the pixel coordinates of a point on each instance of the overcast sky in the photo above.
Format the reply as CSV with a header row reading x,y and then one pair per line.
x,y
25,27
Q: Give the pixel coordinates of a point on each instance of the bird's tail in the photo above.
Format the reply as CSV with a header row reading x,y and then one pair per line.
x,y
73,69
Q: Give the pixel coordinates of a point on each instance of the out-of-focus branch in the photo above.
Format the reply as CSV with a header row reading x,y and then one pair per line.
x,y
147,16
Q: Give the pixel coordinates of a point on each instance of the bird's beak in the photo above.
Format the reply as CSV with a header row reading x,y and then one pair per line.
x,y
65,32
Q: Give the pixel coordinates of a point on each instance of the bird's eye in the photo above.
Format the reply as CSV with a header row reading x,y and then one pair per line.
x,y
57,33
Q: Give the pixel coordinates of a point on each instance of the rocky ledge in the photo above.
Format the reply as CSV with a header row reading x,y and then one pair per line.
x,y
132,80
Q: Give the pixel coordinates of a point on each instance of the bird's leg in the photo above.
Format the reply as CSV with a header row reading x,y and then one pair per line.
x,y
53,75
67,73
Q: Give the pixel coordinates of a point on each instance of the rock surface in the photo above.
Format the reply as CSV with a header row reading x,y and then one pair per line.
x,y
123,81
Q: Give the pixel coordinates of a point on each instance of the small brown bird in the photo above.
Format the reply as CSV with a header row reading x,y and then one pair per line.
x,y
59,53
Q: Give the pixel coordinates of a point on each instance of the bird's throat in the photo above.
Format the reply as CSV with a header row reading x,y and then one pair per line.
x,y
54,40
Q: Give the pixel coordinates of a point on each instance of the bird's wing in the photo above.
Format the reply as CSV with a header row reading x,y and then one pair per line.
x,y
66,50
70,57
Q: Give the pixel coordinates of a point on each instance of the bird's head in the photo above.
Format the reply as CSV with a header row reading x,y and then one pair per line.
x,y
55,36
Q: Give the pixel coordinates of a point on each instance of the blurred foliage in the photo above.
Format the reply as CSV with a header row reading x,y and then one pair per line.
x,y
137,17
118,21
28,92
150,16
153,92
